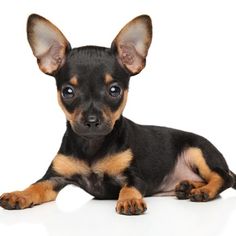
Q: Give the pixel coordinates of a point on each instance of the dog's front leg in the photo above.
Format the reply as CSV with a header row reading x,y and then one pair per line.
x,y
44,190
35,194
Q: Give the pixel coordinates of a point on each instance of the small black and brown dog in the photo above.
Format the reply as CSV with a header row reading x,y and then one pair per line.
x,y
102,152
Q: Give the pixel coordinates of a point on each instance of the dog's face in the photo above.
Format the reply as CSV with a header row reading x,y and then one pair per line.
x,y
92,82
92,90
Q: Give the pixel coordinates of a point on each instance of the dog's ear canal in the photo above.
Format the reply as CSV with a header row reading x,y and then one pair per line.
x,y
132,44
48,44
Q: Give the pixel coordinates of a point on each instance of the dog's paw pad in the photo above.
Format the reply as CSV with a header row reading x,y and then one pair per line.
x,y
14,201
183,189
131,207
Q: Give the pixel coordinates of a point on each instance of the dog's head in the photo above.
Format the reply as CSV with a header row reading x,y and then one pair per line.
x,y
92,82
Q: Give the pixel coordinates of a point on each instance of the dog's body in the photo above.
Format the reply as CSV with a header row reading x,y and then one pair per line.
x,y
102,152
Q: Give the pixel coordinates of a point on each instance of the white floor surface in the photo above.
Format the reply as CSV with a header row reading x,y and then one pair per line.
x,y
76,213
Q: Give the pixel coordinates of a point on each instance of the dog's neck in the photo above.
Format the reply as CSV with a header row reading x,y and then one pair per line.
x,y
90,148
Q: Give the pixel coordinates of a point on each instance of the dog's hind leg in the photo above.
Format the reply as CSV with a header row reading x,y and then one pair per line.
x,y
214,180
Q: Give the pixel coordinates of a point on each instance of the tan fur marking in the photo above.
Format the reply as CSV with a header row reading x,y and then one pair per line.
x,y
112,116
108,78
41,192
74,81
212,188
130,202
129,193
114,164
116,115
197,160
68,166
214,180
69,116
197,184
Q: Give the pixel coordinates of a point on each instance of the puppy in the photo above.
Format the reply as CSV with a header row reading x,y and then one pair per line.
x,y
102,152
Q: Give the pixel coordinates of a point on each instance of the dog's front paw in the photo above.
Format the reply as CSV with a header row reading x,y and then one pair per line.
x,y
131,207
16,200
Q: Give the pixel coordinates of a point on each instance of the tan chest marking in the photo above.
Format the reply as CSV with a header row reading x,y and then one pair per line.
x,y
111,164
68,166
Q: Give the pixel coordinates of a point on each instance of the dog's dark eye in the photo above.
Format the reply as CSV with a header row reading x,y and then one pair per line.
x,y
68,92
114,91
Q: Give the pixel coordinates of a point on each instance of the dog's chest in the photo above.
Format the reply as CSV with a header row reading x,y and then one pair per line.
x,y
102,178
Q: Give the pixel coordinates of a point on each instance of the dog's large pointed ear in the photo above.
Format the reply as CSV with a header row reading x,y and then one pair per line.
x,y
47,42
132,43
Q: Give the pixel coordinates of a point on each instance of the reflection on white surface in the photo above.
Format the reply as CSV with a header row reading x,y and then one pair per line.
x,y
165,216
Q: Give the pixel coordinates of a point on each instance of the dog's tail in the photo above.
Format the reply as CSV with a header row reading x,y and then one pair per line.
x,y
234,179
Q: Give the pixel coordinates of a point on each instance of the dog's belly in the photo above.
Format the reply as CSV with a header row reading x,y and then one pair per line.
x,y
183,170
101,186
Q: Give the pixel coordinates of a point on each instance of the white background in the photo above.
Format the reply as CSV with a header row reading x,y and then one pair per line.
x,y
188,83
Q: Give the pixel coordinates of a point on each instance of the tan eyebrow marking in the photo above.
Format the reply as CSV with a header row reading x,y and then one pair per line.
x,y
108,78
74,81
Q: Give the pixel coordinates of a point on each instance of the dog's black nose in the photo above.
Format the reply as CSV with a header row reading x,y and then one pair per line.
x,y
92,121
